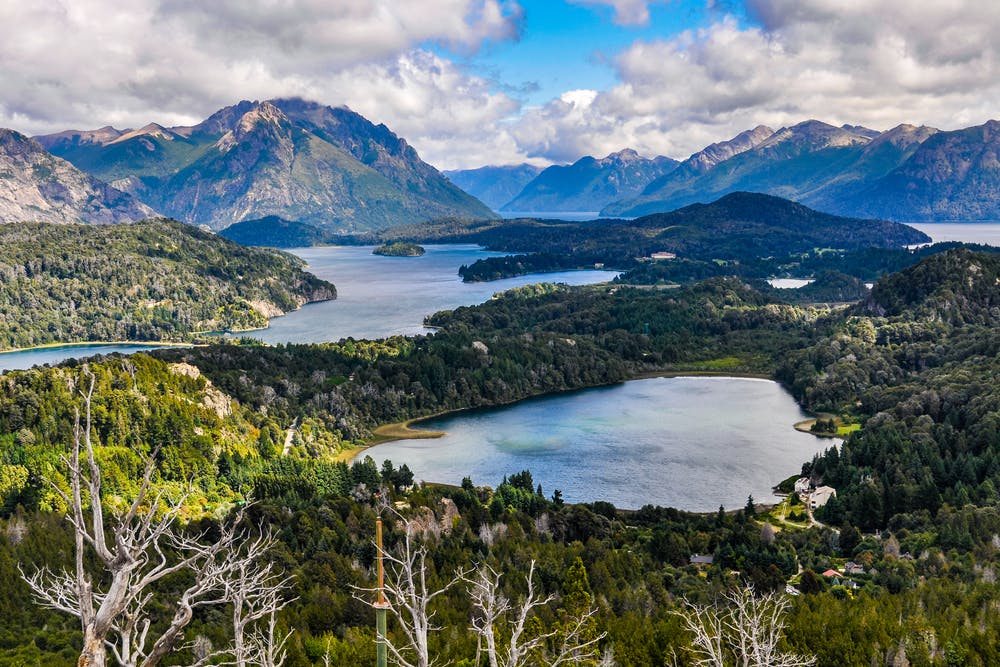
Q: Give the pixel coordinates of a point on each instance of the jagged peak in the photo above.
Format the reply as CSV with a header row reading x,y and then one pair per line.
x,y
262,115
149,130
816,132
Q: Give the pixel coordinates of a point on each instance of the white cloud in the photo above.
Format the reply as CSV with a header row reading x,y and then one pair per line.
x,y
77,63
843,61
83,63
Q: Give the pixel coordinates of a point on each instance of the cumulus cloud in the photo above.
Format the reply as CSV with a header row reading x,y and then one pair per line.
x,y
843,61
83,63
77,63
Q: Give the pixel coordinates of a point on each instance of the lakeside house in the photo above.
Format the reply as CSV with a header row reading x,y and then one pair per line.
x,y
820,496
802,485
657,256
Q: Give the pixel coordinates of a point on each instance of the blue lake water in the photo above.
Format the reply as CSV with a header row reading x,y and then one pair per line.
x,y
687,442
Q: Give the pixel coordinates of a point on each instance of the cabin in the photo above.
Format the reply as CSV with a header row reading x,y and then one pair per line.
x,y
657,256
698,559
820,496
853,568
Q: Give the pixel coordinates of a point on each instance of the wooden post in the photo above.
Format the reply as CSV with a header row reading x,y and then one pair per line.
x,y
380,605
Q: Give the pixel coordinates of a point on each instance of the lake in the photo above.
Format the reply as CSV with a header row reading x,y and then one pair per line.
x,y
987,233
376,297
687,442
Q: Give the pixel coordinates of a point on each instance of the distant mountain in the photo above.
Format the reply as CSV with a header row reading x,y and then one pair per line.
x,y
590,184
298,160
790,163
494,186
37,186
906,173
949,176
275,232
687,171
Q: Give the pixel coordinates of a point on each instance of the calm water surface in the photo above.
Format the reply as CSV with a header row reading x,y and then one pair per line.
x,y
376,297
383,296
987,233
689,442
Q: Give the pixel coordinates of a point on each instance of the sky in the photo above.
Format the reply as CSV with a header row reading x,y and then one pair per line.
x,y
476,82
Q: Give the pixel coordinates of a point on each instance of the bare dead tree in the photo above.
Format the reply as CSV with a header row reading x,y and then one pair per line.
x,y
496,616
256,595
409,596
140,548
745,631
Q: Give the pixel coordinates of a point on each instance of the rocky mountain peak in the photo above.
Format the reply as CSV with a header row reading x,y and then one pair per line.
x,y
712,155
37,186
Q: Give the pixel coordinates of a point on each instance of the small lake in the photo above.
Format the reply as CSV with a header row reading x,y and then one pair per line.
x,y
376,297
687,442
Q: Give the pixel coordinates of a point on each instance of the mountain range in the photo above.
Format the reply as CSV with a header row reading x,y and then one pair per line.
x,y
298,160
905,173
494,186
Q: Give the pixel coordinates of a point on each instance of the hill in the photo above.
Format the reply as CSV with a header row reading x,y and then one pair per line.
x,y
590,184
298,160
36,186
494,186
167,281
275,232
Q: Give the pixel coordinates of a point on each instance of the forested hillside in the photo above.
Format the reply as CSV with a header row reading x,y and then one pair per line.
x,y
913,367
153,280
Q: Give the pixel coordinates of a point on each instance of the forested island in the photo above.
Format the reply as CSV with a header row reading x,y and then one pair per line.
x,y
901,569
751,235
154,280
399,249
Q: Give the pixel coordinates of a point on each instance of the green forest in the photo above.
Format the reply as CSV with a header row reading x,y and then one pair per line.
x,y
911,371
150,281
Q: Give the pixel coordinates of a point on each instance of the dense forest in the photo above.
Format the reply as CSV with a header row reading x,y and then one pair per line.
x,y
745,234
913,367
151,280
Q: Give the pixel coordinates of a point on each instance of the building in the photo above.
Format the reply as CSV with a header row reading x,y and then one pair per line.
x,y
663,255
802,485
821,495
698,559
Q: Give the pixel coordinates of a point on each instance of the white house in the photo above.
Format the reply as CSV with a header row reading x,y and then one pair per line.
x,y
821,495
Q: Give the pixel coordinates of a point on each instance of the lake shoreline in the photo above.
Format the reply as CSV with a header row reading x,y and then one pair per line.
x,y
395,431
100,343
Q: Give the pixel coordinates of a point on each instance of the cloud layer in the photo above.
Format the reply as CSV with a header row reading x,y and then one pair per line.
x,y
83,63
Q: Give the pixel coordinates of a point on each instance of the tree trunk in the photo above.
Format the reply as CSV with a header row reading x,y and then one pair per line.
x,y
94,653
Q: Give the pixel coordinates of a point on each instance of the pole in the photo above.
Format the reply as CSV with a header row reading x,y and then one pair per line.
x,y
380,604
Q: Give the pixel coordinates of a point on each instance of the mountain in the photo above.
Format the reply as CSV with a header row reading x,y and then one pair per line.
x,y
298,160
790,163
275,232
494,186
949,176
167,280
37,186
689,170
589,184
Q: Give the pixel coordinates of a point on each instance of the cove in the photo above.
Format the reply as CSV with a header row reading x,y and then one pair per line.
x,y
693,443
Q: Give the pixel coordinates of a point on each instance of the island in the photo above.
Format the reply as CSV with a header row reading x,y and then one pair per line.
x,y
399,249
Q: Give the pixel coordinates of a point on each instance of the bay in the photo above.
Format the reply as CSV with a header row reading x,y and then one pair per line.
x,y
688,442
376,297
383,296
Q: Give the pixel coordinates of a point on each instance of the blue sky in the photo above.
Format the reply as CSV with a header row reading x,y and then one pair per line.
x,y
474,82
